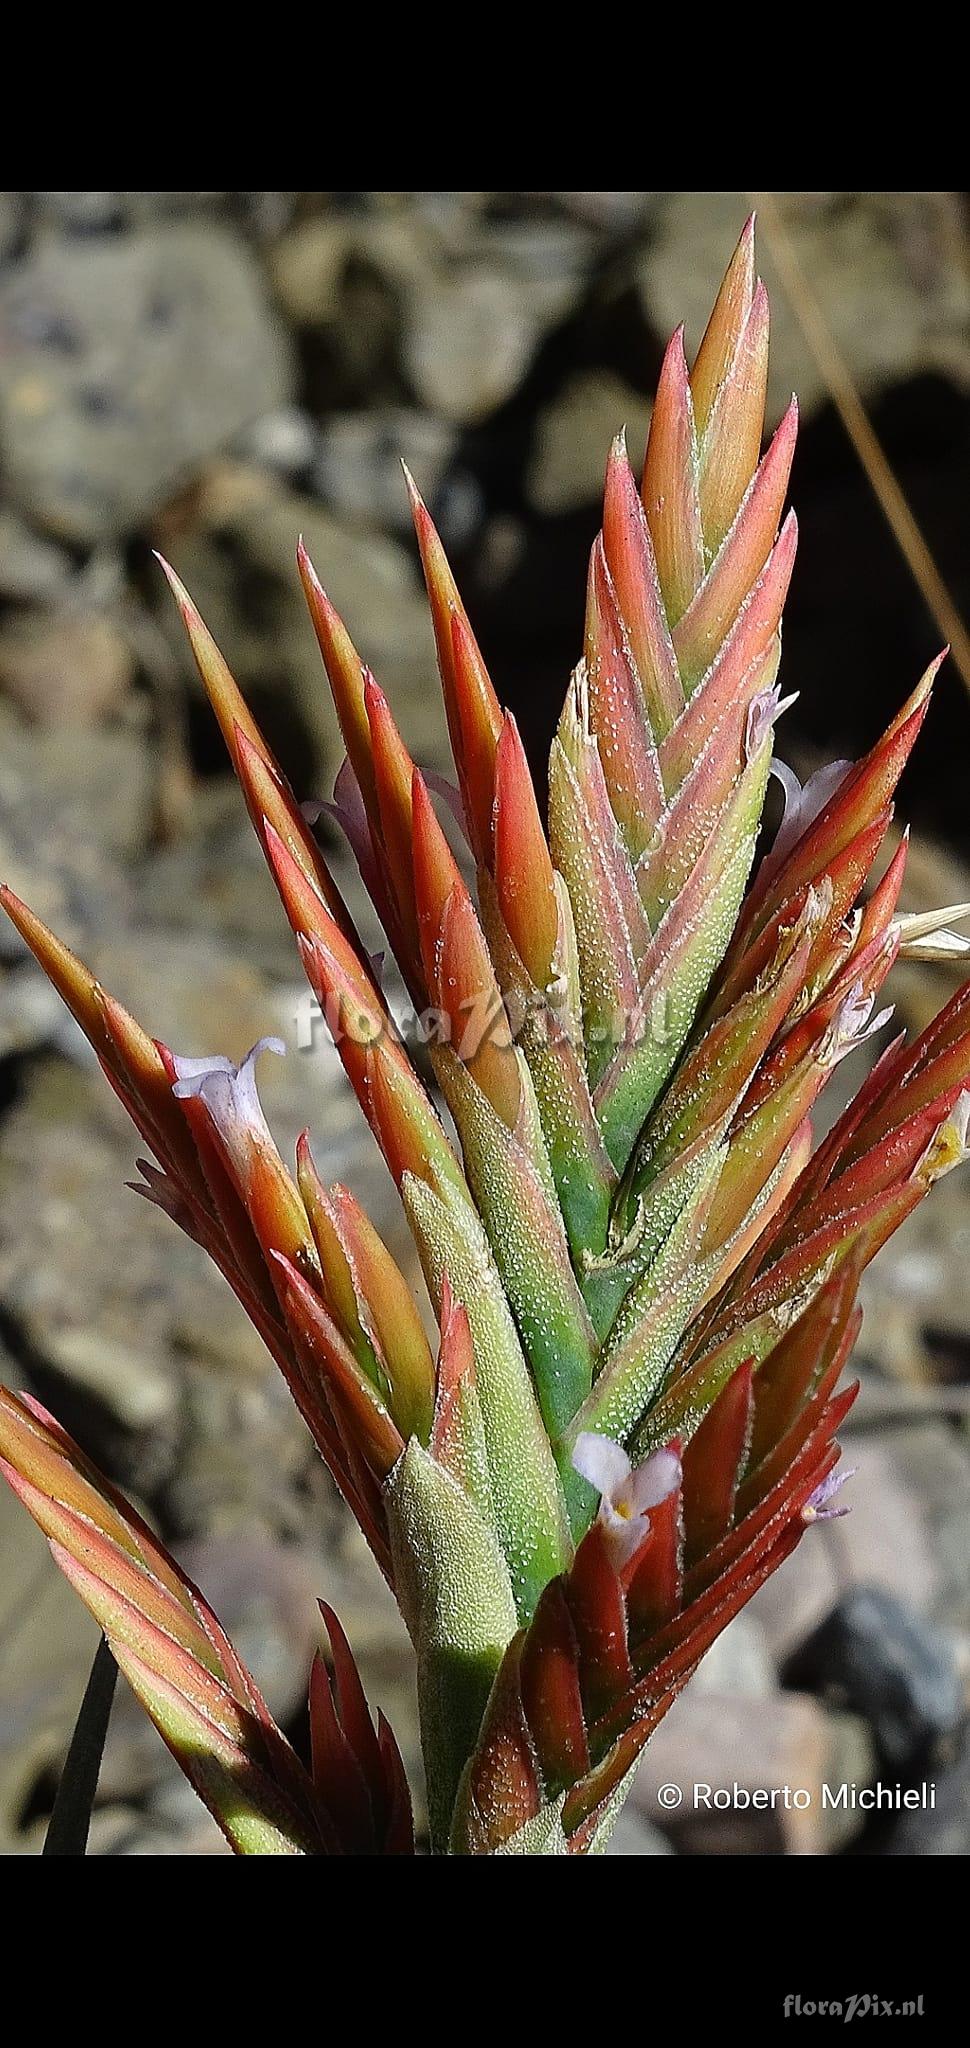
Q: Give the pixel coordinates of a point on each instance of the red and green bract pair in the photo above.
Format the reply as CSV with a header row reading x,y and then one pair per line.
x,y
642,1274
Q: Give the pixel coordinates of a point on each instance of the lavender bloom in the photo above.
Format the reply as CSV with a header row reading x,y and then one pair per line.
x,y
231,1098
852,1024
763,712
817,1508
804,802
626,1494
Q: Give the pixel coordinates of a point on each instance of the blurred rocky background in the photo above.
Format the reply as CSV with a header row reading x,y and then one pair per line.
x,y
215,373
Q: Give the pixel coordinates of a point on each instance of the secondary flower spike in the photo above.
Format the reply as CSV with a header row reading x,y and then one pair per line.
x,y
641,1257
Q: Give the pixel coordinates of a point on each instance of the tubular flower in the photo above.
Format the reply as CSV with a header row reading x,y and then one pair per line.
x,y
642,1265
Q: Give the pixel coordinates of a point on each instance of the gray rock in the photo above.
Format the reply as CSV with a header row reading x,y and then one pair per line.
x,y
345,280
32,569
11,222
943,1830
238,562
68,668
633,1836
47,1642
124,363
358,471
213,879
712,1744
265,1595
86,213
113,1306
286,442
738,1663
76,808
80,213
884,1541
472,333
875,1655
573,439
617,213
912,1463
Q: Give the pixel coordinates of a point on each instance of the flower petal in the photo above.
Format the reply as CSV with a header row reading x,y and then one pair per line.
x,y
229,1093
654,1481
604,1463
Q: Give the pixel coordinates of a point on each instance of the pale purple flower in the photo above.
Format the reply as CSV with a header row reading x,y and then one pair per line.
x,y
852,1024
451,795
231,1097
803,804
349,812
817,1507
763,712
626,1493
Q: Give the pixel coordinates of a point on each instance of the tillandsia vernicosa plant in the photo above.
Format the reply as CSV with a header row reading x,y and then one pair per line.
x,y
643,1273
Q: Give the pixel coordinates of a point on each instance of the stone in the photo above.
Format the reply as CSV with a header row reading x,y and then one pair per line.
x,y
358,470
47,1643
11,222
65,668
80,213
615,213
95,213
76,808
633,1836
921,1289
32,569
285,441
125,362
943,1830
880,1658
213,879
573,436
472,333
934,1466
345,280
238,561
265,1595
776,1747
738,1662
120,1831
883,1539
113,1309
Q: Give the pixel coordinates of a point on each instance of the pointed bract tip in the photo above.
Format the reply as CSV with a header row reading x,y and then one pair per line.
x,y
374,698
176,585
13,904
306,568
418,506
